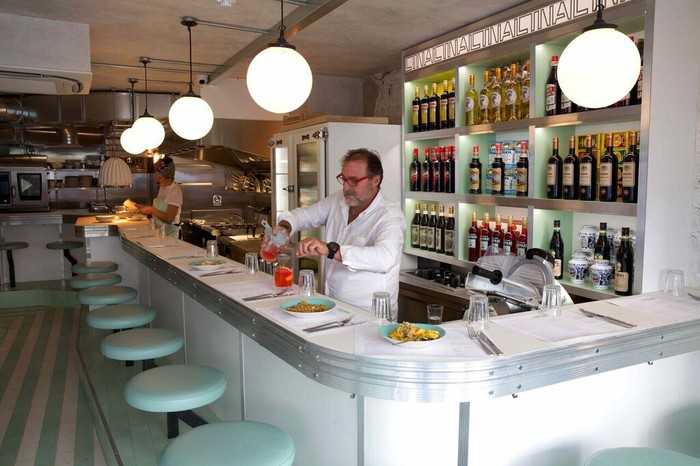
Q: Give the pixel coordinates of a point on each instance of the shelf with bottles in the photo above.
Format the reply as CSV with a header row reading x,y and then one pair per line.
x,y
428,152
430,103
432,229
464,222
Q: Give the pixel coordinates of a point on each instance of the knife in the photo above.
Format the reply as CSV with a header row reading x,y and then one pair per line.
x,y
609,319
222,272
488,342
268,295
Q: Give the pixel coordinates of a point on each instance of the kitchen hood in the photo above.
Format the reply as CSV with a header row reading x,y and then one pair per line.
x,y
42,56
221,155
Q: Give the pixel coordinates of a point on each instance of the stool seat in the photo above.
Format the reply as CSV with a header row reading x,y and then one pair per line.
x,y
179,387
120,316
243,443
91,280
140,344
12,245
640,456
94,267
104,295
62,245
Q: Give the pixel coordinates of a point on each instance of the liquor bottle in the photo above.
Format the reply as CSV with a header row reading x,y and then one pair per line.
x,y
443,105
512,95
430,232
440,231
556,248
450,232
624,265
498,168
522,239
475,172
424,109
427,173
525,91
602,245
473,239
552,92
415,228
497,235
630,171
438,169
640,79
451,102
471,104
416,112
434,110
570,172
554,172
425,218
448,169
566,105
521,170
498,103
485,100
508,238
484,235
587,173
414,171
607,189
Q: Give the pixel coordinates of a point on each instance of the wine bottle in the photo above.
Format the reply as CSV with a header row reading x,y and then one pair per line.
x,y
434,110
630,171
414,171
473,239
602,245
443,105
424,109
475,172
587,173
425,218
427,172
498,103
484,235
450,232
607,190
508,239
448,169
497,235
552,92
451,102
522,238
485,100
438,169
512,95
556,248
639,86
555,172
624,265
570,172
440,231
471,104
525,91
521,170
430,233
415,228
497,171
416,112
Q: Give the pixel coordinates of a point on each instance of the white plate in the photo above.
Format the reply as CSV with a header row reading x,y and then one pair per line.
x,y
387,329
208,264
105,218
308,315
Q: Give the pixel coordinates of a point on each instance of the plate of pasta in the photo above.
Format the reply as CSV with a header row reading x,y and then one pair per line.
x,y
408,335
208,264
308,308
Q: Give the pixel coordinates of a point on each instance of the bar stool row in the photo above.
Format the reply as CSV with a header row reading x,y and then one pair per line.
x,y
173,389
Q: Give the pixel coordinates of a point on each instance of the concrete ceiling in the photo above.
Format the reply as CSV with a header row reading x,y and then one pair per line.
x,y
348,38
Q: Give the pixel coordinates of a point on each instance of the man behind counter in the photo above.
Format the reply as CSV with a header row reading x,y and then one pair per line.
x,y
364,233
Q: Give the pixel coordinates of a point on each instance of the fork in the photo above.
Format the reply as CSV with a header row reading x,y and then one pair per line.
x,y
473,335
326,326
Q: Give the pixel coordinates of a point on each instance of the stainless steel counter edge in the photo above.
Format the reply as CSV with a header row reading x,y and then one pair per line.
x,y
42,218
432,380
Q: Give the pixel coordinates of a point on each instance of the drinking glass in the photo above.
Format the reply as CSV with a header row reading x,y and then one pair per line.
x,y
284,276
212,249
551,300
307,283
675,283
434,313
251,262
381,308
478,312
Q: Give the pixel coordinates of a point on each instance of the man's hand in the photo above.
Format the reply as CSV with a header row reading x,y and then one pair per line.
x,y
311,247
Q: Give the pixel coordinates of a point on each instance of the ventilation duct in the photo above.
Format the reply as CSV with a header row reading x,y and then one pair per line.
x,y
10,110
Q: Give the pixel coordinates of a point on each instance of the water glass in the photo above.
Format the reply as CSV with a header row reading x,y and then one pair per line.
x,y
551,300
251,262
161,231
307,283
434,313
478,312
212,249
381,308
675,283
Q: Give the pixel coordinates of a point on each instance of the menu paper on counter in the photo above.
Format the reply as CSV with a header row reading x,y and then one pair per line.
x,y
455,344
298,324
675,308
257,284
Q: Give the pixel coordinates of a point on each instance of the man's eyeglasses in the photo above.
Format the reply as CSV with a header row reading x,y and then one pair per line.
x,y
352,182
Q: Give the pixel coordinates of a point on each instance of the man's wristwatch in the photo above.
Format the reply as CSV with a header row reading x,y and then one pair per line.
x,y
332,249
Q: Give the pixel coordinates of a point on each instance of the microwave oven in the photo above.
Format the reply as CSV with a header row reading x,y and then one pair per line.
x,y
24,188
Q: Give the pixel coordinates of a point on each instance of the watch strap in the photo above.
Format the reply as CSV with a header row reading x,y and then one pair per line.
x,y
332,249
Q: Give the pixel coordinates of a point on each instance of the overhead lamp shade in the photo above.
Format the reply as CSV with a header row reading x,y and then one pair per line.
x,y
114,173
279,79
129,142
149,132
191,117
598,68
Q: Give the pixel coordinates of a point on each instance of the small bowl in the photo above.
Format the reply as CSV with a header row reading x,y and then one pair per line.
x,y
104,218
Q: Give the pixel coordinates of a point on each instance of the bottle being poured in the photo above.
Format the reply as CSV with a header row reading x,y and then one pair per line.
x,y
272,244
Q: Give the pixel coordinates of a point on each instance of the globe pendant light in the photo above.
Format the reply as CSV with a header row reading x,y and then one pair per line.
x,y
149,131
279,78
128,139
190,116
600,66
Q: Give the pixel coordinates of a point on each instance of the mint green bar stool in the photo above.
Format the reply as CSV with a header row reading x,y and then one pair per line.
x,y
94,267
640,456
243,443
91,280
141,344
176,390
105,295
120,316
8,248
66,246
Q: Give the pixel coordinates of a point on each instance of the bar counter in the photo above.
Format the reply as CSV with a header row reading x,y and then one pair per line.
x,y
345,399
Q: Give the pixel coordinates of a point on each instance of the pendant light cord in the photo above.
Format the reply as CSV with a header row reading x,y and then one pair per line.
x,y
189,32
145,61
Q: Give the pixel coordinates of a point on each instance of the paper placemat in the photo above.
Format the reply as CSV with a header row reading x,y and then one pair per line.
x,y
678,309
131,233
257,284
298,324
455,344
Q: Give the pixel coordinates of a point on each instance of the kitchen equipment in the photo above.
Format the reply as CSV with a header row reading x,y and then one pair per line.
x,y
24,187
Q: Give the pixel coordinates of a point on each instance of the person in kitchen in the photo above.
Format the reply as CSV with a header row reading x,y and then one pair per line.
x,y
167,205
364,233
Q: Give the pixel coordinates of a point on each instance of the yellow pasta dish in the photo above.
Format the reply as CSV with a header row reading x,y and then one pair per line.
x,y
303,306
409,332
